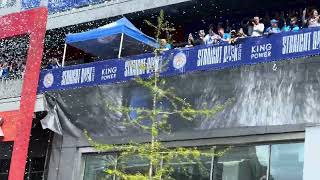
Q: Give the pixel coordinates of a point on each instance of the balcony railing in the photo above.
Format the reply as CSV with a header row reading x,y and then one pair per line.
x,y
247,51
283,46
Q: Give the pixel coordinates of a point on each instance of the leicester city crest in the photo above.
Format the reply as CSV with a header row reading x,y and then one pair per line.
x,y
179,60
48,80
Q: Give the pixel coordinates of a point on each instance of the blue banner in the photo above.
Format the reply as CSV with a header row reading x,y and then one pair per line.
x,y
248,51
55,6
29,4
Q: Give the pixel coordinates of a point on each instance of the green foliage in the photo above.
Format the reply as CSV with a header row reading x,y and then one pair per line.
x,y
162,26
159,157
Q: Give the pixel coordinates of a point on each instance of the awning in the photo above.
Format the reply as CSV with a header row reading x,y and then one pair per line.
x,y
105,41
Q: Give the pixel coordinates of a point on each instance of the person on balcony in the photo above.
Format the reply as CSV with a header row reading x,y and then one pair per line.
x,y
241,34
293,26
247,25
190,41
212,37
200,40
164,45
313,20
53,64
223,36
234,37
5,71
258,28
274,28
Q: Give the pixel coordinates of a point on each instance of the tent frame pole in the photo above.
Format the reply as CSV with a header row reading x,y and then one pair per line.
x,y
121,44
64,54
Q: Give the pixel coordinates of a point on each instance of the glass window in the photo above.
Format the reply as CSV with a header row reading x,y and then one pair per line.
x,y
236,163
133,165
239,163
95,166
287,162
5,158
4,168
191,169
35,168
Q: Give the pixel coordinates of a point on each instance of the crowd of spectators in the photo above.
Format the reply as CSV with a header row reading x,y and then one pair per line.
x,y
11,69
259,25
52,63
13,57
292,20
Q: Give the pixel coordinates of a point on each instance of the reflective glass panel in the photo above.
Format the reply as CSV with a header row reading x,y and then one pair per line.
x,y
188,168
287,162
242,163
95,166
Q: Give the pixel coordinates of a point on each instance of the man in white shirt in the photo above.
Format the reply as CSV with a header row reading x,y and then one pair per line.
x,y
212,37
258,28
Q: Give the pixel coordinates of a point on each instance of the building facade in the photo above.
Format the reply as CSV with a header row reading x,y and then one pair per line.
x,y
272,124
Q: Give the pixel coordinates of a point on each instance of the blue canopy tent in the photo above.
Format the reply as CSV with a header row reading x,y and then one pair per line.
x,y
118,39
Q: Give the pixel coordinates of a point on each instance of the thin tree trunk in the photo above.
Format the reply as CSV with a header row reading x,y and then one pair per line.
x,y
153,119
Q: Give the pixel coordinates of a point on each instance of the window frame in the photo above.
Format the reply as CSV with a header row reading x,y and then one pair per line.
x,y
250,140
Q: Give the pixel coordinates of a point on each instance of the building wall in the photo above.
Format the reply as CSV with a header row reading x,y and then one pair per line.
x,y
106,10
271,105
9,125
67,159
88,13
261,95
13,104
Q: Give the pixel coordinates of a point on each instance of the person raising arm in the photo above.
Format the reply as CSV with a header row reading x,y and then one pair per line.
x,y
258,28
313,20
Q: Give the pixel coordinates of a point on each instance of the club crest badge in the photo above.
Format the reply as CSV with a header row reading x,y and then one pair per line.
x,y
48,80
179,60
